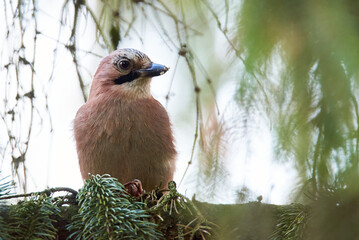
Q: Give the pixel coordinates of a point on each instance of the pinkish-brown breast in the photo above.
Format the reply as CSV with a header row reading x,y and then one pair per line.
x,y
128,139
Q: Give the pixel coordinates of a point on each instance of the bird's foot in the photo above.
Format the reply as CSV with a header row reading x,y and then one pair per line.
x,y
134,187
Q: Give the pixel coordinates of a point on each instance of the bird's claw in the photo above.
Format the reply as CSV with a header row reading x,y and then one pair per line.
x,y
134,187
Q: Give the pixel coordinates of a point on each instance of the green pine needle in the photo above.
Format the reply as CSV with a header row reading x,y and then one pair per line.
x,y
106,211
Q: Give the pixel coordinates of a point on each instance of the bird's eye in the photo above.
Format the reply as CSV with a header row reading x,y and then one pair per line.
x,y
124,64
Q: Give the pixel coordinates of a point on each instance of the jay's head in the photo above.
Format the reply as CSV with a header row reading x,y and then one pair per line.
x,y
125,72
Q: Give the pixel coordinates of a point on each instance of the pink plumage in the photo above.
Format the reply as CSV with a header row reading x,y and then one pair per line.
x,y
122,130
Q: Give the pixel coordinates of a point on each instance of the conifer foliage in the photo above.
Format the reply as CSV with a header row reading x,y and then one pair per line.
x,y
106,211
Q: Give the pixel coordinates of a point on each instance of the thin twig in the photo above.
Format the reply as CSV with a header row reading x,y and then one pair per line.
x,y
173,16
47,191
198,116
237,52
173,76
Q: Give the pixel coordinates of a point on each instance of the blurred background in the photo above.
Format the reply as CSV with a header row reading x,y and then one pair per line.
x,y
262,95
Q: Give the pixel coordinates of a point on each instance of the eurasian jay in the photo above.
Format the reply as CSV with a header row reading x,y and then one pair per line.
x,y
122,130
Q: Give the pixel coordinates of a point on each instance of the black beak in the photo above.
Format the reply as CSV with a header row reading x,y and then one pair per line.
x,y
153,71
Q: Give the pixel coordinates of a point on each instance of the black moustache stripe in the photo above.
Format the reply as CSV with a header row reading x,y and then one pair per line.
x,y
127,78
